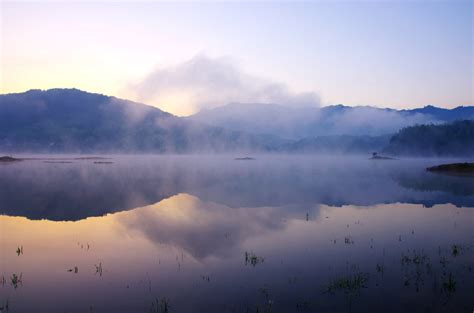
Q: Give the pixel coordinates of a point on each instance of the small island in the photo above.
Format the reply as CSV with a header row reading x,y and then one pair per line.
x,y
244,159
375,156
453,168
9,159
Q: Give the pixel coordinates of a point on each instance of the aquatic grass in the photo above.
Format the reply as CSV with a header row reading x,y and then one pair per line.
x,y
349,284
444,261
348,240
455,250
304,305
252,259
160,306
16,280
267,306
416,266
450,284
406,281
98,269
380,268
417,258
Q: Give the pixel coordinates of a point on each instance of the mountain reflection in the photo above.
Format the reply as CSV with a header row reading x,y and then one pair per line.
x,y
81,189
183,245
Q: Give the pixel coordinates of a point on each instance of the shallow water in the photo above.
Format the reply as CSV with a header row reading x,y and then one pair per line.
x,y
213,234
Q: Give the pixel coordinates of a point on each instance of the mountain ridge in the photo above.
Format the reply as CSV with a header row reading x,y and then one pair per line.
x,y
71,120
298,123
74,120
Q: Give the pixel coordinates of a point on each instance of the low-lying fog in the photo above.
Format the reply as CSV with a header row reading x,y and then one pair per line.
x,y
67,187
234,233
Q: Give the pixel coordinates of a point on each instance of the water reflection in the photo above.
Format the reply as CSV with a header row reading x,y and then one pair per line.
x,y
192,252
205,229
83,188
191,234
450,184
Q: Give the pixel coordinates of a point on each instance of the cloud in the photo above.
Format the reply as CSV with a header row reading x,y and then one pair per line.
x,y
375,121
202,229
204,82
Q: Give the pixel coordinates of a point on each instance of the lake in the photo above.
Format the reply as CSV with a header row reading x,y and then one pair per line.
x,y
215,234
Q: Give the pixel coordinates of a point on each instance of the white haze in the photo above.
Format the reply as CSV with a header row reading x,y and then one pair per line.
x,y
204,83
229,97
299,123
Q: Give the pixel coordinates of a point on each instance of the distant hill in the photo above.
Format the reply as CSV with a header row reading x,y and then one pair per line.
x,y
59,120
74,121
299,123
450,139
445,115
343,144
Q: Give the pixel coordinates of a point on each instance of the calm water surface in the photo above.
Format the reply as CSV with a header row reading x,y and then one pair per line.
x,y
212,234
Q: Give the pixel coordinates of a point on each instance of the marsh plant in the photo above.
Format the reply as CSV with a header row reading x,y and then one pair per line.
x,y
16,280
348,240
19,250
98,269
380,268
450,284
349,284
268,304
160,306
455,250
417,258
252,259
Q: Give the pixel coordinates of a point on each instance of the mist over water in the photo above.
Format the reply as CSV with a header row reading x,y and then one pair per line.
x,y
80,188
276,233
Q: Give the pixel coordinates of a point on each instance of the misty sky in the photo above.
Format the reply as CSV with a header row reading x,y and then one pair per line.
x,y
183,57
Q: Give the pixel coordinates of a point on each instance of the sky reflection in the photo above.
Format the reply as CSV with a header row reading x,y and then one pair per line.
x,y
192,252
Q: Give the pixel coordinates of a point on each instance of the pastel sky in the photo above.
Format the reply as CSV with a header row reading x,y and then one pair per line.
x,y
185,56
